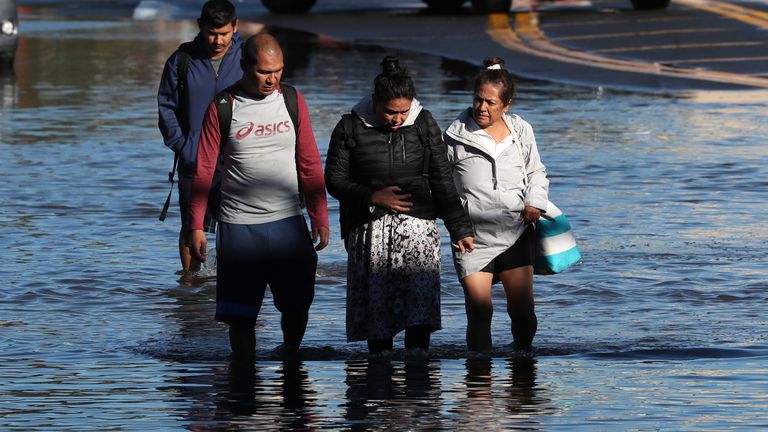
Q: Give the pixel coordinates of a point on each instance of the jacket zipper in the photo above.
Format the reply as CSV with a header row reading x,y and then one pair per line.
x,y
391,155
402,144
495,179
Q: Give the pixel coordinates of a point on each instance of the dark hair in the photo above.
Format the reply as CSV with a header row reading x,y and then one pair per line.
x,y
217,14
499,76
393,82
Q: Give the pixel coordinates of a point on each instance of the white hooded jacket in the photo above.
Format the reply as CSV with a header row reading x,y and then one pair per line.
x,y
493,189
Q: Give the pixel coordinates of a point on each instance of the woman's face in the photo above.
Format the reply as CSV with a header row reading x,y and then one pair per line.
x,y
487,106
391,114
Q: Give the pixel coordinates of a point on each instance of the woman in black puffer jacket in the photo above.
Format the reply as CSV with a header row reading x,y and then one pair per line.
x,y
388,168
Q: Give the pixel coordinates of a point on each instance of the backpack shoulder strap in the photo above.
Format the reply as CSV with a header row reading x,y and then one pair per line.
x,y
224,110
182,67
291,100
183,55
350,123
422,129
291,104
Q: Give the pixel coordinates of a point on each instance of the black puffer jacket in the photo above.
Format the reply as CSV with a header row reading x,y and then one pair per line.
x,y
366,159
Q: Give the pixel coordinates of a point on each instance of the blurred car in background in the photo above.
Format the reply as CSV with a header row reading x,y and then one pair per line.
x,y
9,31
479,6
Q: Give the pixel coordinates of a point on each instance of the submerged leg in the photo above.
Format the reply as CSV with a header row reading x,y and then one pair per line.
x,y
479,307
242,339
376,346
294,325
518,285
417,337
188,261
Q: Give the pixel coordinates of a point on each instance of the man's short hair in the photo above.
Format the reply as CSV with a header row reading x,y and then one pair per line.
x,y
217,14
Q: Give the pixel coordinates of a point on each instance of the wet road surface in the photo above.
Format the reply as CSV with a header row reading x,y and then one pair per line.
x,y
692,45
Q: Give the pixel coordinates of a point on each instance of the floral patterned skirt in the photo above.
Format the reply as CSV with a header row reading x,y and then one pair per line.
x,y
393,277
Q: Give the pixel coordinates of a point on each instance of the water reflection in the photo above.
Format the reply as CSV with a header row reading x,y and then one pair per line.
x,y
266,396
9,92
498,395
383,394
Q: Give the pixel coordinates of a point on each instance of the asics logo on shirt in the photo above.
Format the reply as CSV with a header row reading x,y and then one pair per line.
x,y
263,130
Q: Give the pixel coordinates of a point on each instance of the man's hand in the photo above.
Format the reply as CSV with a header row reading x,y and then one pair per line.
x,y
390,199
530,214
324,235
466,245
198,245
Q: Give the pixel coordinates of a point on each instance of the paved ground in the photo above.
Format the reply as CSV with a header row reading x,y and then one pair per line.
x,y
694,44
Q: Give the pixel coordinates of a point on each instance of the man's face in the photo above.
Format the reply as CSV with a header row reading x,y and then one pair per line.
x,y
264,76
217,40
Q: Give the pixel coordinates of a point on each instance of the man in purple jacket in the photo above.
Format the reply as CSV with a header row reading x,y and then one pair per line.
x,y
210,63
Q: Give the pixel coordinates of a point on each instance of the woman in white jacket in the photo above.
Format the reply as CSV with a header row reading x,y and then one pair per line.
x,y
491,152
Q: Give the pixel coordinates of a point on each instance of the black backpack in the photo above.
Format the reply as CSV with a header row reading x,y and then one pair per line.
x,y
183,53
224,105
351,123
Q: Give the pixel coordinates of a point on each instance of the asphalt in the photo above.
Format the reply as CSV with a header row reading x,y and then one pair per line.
x,y
602,44
692,45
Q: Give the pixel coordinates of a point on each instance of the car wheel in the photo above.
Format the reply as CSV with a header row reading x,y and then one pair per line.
x,y
288,6
491,6
649,4
444,5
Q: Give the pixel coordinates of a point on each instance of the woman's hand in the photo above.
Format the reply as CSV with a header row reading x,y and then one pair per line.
x,y
530,215
465,245
392,200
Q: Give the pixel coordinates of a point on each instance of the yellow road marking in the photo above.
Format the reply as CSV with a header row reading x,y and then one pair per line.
x,y
750,16
622,20
681,46
526,37
636,34
721,59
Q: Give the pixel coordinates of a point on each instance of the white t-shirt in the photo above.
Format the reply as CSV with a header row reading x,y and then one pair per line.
x,y
259,179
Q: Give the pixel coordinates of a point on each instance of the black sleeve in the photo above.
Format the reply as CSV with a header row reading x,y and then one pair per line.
x,y
338,172
444,192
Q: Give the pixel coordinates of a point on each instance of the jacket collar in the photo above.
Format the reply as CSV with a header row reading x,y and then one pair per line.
x,y
464,127
364,110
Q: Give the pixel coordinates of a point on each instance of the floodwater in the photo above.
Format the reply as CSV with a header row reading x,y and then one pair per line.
x,y
661,327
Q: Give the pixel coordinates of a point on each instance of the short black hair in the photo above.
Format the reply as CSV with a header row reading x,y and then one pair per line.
x,y
217,14
495,73
393,82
